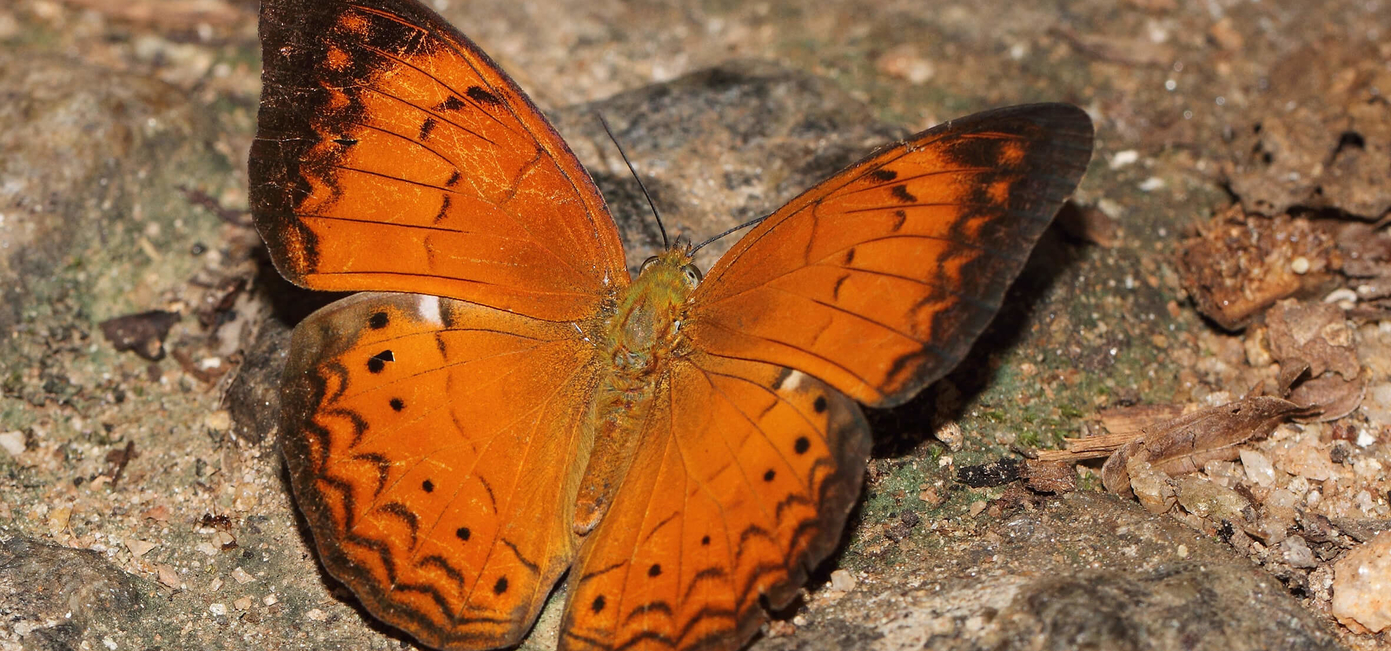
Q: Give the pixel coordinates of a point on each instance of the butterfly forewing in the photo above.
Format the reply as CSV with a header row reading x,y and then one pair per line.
x,y
392,154
431,446
744,478
878,280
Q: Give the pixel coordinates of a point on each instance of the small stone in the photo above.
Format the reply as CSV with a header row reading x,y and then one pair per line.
x,y
270,600
1123,158
241,577
218,609
316,615
215,585
218,421
951,435
207,548
1362,586
1306,458
1208,499
1258,468
13,442
139,548
1298,554
58,519
1182,551
843,581
242,604
977,507
168,576
1151,487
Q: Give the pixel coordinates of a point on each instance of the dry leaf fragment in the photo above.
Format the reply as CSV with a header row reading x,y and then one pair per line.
x,y
1182,445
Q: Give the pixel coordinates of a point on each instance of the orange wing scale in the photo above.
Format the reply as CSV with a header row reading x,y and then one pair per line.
x,y
433,492
878,279
393,155
745,475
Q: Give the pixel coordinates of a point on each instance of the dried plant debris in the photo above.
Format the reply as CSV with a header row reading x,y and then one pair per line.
x,y
1048,476
1239,264
142,333
1184,444
1317,335
998,473
1321,140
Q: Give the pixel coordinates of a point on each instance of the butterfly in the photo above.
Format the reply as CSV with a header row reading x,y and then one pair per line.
x,y
504,404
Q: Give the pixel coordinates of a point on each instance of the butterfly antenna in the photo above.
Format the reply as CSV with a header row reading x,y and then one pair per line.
x,y
661,227
746,224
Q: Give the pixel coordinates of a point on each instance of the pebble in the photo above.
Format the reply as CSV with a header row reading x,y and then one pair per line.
x,y
1362,586
843,581
1297,553
13,442
1258,468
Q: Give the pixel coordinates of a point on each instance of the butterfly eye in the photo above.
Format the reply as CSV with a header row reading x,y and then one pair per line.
x,y
647,263
692,274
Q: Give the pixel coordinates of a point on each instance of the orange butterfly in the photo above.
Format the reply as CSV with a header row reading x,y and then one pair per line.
x,y
506,402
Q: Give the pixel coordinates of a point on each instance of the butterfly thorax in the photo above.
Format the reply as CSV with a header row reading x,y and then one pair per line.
x,y
642,337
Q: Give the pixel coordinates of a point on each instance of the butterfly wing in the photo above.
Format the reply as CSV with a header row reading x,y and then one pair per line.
x,y
391,154
435,492
878,280
742,484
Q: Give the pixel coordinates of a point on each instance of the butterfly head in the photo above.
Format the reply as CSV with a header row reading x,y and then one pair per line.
x,y
650,313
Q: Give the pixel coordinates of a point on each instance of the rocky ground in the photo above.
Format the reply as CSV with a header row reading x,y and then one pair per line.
x,y
1227,235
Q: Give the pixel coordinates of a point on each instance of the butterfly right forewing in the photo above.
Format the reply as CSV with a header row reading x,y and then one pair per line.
x,y
878,279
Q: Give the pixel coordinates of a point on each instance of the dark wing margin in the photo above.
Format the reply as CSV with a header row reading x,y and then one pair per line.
x,y
878,280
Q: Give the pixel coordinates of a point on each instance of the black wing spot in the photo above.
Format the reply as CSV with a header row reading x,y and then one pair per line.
x,y
705,540
849,256
378,362
378,320
501,585
655,570
397,404
819,405
463,533
444,209
802,445
483,96
883,176
901,193
899,218
426,127
452,103
454,179
346,141
768,476
598,605
427,486
835,290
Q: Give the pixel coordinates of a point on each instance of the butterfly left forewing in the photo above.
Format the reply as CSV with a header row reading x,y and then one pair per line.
x,y
878,279
745,475
392,154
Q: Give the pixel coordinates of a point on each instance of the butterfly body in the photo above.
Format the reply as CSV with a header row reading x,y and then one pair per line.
x,y
503,405
641,339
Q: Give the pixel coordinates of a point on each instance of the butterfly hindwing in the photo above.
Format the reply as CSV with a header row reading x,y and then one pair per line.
x,y
391,154
430,444
743,480
878,279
